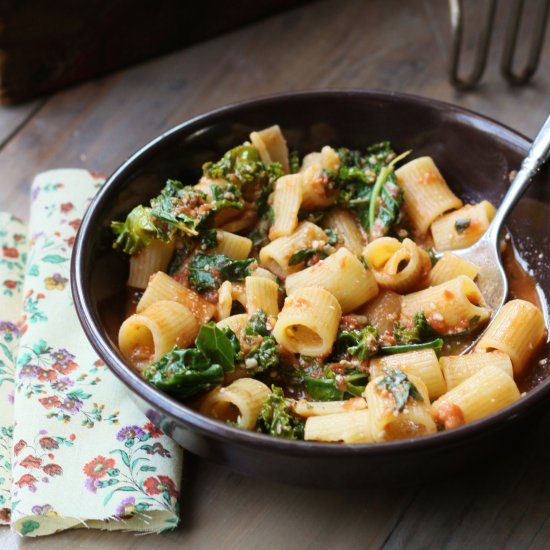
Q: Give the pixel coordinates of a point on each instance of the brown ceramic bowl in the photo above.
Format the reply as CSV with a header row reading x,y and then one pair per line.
x,y
474,153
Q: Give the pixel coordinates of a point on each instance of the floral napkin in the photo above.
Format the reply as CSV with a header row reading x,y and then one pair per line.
x,y
74,450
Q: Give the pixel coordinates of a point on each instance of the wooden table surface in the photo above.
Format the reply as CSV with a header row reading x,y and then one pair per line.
x,y
383,44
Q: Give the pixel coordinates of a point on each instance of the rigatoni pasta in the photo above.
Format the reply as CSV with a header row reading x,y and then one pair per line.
x,y
304,296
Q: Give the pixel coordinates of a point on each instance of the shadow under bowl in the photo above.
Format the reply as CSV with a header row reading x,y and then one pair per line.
x,y
474,153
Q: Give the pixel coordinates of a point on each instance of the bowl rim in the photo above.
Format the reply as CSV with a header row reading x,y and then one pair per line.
x,y
196,421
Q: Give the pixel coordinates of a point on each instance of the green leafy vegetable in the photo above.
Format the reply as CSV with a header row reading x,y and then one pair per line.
x,y
240,165
209,271
137,231
397,383
226,196
421,332
332,236
209,239
215,344
314,216
294,161
276,418
436,344
305,255
335,387
263,356
184,373
361,343
257,324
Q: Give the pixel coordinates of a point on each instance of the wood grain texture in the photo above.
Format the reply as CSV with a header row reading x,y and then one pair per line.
x,y
377,44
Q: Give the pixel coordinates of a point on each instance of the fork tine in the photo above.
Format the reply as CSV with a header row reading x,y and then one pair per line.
x,y
535,48
457,27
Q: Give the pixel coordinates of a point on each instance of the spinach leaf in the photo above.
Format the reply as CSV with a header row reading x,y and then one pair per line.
x,y
276,418
397,383
208,271
215,345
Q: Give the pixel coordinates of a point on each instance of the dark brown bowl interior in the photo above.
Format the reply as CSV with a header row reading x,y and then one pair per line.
x,y
475,155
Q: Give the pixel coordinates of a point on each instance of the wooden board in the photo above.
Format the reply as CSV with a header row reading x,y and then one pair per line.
x,y
380,44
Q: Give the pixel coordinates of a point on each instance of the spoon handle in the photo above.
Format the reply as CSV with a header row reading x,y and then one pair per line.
x,y
538,154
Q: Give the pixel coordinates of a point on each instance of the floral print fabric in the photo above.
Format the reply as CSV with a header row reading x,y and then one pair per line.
x,y
82,454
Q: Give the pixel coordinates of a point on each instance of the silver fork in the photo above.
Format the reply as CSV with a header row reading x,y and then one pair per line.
x,y
492,280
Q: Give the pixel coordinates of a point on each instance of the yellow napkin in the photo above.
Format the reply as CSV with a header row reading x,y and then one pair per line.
x,y
82,454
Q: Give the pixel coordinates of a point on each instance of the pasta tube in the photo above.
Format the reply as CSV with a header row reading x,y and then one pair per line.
x,y
517,330
308,322
322,408
287,199
163,287
233,246
151,259
426,194
342,274
399,266
239,402
262,293
276,255
348,427
147,336
450,266
271,146
422,364
399,406
463,227
484,393
451,308
457,368
345,225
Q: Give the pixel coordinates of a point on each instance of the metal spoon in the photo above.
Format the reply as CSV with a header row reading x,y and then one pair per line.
x,y
492,280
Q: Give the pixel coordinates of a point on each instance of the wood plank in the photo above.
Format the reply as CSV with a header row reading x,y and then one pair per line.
x,y
380,44
13,117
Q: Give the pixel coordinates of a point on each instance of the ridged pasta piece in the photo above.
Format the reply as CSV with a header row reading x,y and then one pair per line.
x,y
347,229
382,311
321,408
227,294
457,368
287,199
308,322
450,266
240,402
236,322
426,194
149,260
276,255
310,159
145,337
271,145
388,423
262,293
239,221
399,266
347,427
421,363
342,274
163,287
484,393
517,330
463,227
265,273
451,308
316,189
233,246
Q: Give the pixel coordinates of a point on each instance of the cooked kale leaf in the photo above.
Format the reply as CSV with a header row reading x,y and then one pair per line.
x,y
357,343
137,231
226,196
209,271
396,382
276,418
257,324
421,332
